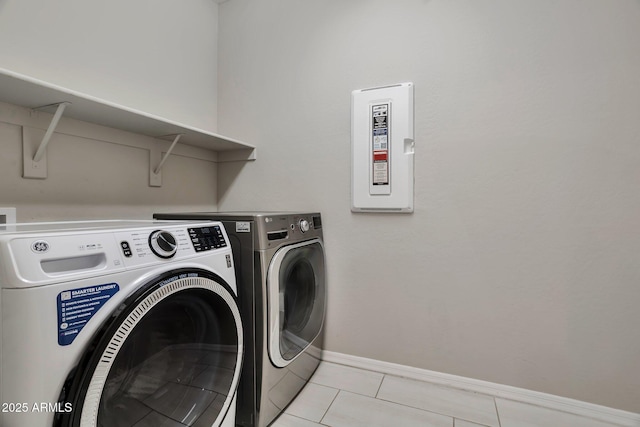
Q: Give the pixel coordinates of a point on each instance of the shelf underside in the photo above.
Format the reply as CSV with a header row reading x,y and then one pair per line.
x,y
31,93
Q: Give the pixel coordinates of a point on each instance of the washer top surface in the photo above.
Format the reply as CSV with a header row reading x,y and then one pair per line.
x,y
72,226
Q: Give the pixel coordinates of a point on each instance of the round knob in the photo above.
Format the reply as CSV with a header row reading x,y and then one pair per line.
x,y
304,225
163,244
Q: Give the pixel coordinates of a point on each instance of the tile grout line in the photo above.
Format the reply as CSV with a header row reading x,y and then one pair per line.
x,y
380,386
495,403
329,407
405,404
352,392
443,385
360,393
299,418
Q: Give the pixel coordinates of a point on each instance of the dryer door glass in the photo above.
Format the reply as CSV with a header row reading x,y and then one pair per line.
x,y
297,292
173,359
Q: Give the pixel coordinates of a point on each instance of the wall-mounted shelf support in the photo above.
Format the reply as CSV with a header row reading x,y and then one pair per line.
x,y
35,164
156,157
52,127
167,154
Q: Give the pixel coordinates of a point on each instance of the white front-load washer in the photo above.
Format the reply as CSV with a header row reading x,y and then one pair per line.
x,y
118,323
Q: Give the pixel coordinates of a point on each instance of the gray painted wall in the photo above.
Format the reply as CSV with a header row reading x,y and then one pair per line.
x,y
520,263
159,57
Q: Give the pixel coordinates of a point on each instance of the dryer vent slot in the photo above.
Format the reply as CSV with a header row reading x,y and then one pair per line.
x,y
73,264
277,235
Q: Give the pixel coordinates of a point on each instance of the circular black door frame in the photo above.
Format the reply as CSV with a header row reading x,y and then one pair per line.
x,y
75,386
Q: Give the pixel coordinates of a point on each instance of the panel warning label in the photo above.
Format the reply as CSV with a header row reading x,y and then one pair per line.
x,y
77,306
380,146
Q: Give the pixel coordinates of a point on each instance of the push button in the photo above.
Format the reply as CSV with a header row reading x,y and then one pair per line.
x,y
126,249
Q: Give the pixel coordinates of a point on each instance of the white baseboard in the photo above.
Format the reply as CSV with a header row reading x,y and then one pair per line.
x,y
558,403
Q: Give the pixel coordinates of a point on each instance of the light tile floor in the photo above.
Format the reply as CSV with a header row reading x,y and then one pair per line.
x,y
341,396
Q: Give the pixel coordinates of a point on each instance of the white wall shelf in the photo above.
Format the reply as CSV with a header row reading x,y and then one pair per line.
x,y
32,93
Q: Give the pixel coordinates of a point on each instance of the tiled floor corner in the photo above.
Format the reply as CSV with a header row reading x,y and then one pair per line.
x,y
342,396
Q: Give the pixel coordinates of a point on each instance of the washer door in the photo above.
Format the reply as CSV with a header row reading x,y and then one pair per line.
x,y
171,357
297,295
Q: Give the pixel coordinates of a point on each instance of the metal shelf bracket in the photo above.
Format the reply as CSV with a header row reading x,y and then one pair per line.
x,y
155,176
35,164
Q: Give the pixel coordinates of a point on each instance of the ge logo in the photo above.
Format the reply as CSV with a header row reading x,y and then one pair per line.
x,y
40,246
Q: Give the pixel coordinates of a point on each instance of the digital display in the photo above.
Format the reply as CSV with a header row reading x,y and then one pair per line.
x,y
207,238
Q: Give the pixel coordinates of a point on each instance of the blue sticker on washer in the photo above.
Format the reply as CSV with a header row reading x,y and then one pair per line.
x,y
77,306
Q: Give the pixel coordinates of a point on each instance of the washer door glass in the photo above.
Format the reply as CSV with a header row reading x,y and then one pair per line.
x,y
173,358
297,299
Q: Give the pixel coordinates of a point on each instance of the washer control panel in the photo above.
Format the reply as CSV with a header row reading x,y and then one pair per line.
x,y
167,243
142,246
207,238
95,248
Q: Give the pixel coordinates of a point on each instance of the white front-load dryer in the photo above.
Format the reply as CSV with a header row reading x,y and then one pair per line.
x,y
118,323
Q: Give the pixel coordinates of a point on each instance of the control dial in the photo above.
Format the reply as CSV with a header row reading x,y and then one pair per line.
x,y
163,244
304,225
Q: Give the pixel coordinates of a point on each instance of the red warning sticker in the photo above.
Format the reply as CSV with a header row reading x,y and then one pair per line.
x,y
380,156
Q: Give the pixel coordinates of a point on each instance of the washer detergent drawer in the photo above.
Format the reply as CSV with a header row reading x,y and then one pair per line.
x,y
41,261
73,264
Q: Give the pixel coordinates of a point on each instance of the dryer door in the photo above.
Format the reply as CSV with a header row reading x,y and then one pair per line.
x,y
171,356
297,295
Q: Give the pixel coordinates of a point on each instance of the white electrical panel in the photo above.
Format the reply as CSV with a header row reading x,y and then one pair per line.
x,y
382,149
